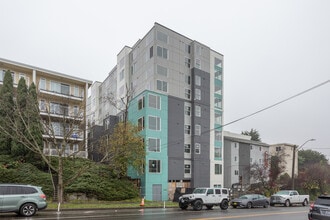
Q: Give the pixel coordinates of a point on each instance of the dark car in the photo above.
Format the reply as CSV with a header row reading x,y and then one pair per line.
x,y
320,209
250,200
24,200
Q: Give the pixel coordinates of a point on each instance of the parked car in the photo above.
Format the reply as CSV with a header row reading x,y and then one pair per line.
x,y
250,200
288,198
320,209
24,200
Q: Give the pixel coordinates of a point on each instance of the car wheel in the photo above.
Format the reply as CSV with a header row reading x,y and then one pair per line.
x,y
224,205
305,202
198,205
209,207
183,206
249,205
266,205
28,209
287,203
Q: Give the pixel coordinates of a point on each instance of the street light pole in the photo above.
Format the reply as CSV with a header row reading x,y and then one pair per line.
x,y
295,150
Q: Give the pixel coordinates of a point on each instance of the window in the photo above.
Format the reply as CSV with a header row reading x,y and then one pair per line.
x,y
76,91
60,88
121,75
217,117
162,52
187,79
217,169
75,110
235,158
141,123
75,148
162,70
187,93
187,148
217,135
217,152
236,172
197,94
187,109
42,84
187,48
154,144
151,52
198,63
278,149
154,166
162,85
141,103
59,109
154,123
162,36
42,106
187,62
198,111
106,123
197,80
217,102
154,101
187,129
197,148
187,168
198,130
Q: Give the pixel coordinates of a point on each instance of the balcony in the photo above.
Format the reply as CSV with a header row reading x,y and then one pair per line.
x,y
66,95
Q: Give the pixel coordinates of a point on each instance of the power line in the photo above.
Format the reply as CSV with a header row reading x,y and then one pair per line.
x,y
259,111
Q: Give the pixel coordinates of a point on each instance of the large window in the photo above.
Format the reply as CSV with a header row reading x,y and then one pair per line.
x,y
187,129
217,169
154,101
162,52
197,148
217,135
141,103
198,111
162,36
187,109
187,93
187,79
154,123
42,84
162,85
161,70
59,109
141,123
198,80
217,152
187,148
60,88
187,62
154,166
198,95
187,168
198,64
154,144
198,129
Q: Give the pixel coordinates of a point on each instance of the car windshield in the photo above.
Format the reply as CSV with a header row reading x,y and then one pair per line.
x,y
283,192
199,191
323,201
244,197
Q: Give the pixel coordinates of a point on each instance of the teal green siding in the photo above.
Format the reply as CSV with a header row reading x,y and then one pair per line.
x,y
150,178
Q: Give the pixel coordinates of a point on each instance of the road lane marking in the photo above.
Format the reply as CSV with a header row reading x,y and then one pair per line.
x,y
249,215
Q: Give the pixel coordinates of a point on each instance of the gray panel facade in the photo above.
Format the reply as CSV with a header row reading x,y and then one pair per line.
x,y
201,162
227,170
175,138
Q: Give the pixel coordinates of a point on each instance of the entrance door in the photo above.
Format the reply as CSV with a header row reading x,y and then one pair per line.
x,y
157,192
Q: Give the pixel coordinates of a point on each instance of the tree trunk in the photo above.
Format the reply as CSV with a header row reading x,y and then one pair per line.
x,y
60,187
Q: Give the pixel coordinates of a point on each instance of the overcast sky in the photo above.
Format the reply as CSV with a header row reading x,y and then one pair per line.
x,y
273,49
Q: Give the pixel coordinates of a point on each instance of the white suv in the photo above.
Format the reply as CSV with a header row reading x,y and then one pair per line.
x,y
205,196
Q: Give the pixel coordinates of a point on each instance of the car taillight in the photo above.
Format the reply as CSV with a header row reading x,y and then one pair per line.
x,y
43,196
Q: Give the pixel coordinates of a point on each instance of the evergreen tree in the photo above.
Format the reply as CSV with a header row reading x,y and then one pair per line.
x,y
17,148
6,112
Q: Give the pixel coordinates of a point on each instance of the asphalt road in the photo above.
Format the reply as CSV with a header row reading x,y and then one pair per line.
x,y
271,213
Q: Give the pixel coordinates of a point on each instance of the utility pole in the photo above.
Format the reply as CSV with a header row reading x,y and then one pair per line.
x,y
293,164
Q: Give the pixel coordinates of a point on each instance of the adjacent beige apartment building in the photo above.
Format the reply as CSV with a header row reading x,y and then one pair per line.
x,y
62,99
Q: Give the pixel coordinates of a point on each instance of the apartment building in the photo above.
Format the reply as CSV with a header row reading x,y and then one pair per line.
x,y
241,154
177,86
62,98
285,152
